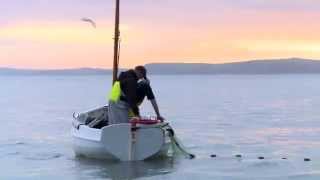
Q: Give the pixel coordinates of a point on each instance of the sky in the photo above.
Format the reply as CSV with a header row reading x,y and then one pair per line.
x,y
48,34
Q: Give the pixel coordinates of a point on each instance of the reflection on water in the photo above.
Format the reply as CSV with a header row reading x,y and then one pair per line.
x,y
125,170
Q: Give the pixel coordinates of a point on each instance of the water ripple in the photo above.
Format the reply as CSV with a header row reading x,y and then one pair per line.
x,y
43,156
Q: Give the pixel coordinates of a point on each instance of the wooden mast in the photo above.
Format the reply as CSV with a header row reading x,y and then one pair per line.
x,y
116,42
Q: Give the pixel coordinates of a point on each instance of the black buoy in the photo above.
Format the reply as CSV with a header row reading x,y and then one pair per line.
x,y
260,157
239,156
307,159
213,156
284,158
192,156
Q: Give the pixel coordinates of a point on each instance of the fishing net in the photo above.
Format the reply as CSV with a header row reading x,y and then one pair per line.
x,y
176,147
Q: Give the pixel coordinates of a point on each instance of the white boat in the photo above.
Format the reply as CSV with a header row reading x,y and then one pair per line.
x,y
126,142
94,137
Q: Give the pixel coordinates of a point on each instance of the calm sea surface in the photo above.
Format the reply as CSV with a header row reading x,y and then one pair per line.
x,y
274,116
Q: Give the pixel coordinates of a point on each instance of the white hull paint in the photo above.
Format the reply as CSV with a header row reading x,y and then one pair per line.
x,y
119,142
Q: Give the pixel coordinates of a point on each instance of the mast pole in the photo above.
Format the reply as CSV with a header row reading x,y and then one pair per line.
x,y
116,42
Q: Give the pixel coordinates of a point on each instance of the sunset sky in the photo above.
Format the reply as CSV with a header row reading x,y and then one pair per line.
x,y
49,34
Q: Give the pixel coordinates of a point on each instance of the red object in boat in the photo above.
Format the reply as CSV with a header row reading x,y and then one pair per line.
x,y
136,121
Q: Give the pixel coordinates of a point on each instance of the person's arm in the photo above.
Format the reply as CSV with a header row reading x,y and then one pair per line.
x,y
153,101
156,109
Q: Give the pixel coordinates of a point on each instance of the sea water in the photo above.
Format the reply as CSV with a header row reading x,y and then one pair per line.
x,y
272,116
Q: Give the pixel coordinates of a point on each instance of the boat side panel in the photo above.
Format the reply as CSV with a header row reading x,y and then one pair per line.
x,y
147,142
91,149
116,140
85,132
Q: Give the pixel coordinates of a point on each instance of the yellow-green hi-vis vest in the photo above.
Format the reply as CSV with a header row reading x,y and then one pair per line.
x,y
115,93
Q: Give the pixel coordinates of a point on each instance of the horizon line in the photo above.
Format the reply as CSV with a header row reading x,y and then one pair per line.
x,y
101,68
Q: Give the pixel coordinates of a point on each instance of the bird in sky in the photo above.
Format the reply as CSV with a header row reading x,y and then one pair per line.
x,y
89,21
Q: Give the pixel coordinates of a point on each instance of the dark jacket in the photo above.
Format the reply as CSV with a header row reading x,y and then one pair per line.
x,y
133,91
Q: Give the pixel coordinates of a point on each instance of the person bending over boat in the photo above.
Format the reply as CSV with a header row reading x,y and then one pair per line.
x,y
127,93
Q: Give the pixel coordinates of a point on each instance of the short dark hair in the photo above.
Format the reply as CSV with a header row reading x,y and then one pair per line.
x,y
142,70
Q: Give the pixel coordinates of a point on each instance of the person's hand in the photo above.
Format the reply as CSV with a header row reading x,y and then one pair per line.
x,y
160,118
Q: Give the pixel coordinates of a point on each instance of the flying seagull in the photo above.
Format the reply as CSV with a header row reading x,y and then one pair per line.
x,y
89,21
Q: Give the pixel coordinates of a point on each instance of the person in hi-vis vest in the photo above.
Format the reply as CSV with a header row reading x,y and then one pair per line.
x,y
127,93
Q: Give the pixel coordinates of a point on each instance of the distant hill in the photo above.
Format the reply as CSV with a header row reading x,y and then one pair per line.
x,y
280,66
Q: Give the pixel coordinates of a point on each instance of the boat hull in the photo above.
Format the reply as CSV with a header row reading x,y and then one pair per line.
x,y
121,142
